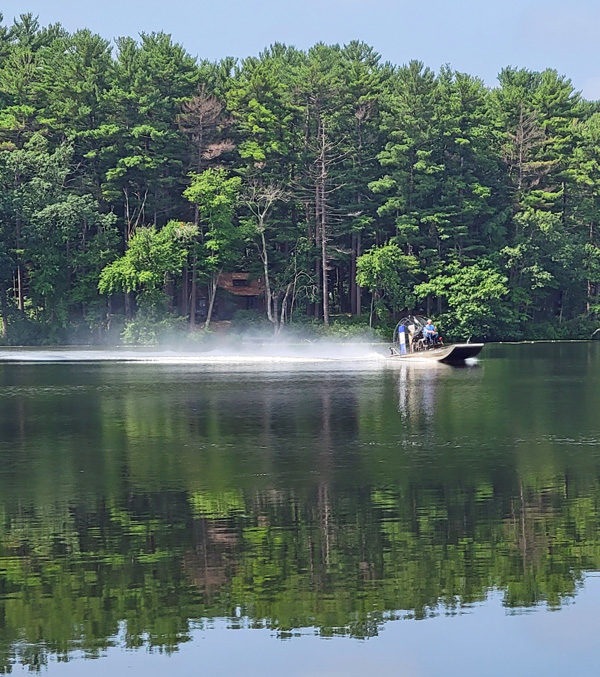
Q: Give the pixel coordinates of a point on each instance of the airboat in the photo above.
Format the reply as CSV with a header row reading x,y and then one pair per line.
x,y
411,341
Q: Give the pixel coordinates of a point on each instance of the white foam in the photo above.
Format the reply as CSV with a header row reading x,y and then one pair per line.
x,y
313,353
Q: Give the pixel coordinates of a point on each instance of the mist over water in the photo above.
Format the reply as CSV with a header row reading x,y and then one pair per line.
x,y
239,350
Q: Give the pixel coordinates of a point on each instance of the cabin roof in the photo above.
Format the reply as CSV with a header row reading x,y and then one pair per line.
x,y
240,284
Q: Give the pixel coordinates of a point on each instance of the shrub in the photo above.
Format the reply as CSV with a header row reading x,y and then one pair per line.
x,y
148,330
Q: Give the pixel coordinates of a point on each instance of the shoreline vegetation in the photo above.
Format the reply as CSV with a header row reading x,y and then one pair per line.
x,y
146,194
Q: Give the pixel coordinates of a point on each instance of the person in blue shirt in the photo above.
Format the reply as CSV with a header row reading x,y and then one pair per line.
x,y
430,333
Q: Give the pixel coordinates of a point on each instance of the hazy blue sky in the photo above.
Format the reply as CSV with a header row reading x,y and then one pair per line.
x,y
476,36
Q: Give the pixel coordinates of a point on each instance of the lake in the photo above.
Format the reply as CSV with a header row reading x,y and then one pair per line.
x,y
290,513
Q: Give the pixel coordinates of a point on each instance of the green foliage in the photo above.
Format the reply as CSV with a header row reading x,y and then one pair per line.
x,y
153,326
474,297
244,320
150,258
54,240
392,175
215,196
389,272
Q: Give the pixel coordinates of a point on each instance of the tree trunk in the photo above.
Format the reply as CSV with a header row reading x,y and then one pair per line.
x,y
283,316
590,289
561,306
184,293
357,240
20,301
265,260
323,215
318,270
275,313
325,281
3,320
212,293
358,288
108,313
353,285
169,292
127,297
194,292
20,304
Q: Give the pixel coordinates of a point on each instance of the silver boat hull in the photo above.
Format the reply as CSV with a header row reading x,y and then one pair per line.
x,y
455,354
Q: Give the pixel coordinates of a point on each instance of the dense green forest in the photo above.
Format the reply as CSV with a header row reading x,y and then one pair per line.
x,y
132,175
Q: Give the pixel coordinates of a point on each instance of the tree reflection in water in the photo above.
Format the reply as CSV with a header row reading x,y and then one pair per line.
x,y
136,501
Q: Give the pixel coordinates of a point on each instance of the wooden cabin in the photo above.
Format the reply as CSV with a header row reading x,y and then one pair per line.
x,y
236,291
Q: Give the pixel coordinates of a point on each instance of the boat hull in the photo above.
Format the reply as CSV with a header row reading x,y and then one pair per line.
x,y
455,354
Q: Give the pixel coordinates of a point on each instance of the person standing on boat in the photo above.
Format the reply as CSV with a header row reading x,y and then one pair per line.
x,y
430,333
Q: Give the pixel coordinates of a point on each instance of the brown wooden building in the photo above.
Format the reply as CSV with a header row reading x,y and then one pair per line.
x,y
236,291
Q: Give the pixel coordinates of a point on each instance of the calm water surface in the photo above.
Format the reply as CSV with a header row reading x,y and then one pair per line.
x,y
300,516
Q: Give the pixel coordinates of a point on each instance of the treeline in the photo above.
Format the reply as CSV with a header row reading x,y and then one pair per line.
x,y
132,175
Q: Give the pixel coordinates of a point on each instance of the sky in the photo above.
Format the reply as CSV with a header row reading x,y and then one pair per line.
x,y
481,639
479,37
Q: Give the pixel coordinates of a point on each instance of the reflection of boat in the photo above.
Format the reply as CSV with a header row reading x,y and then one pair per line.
x,y
410,342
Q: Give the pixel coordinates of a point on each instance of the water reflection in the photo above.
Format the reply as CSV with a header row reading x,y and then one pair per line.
x,y
417,390
138,499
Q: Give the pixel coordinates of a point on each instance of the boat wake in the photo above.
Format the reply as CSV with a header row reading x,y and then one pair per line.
x,y
279,356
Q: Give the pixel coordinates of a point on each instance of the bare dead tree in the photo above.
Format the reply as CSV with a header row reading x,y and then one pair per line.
x,y
321,209
203,121
527,138
362,114
259,198
201,116
327,158
134,215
